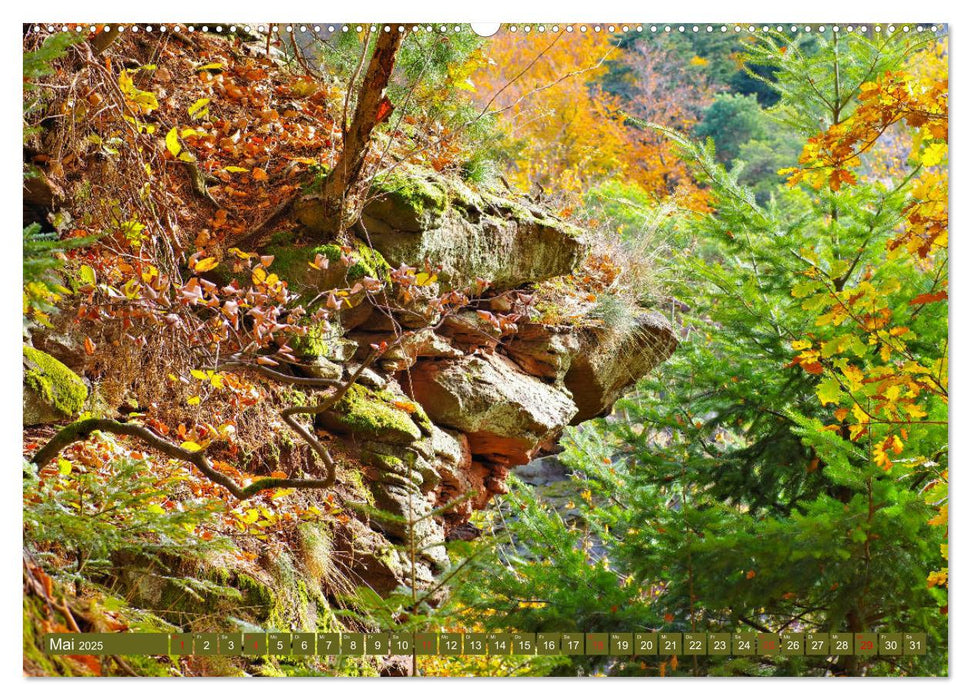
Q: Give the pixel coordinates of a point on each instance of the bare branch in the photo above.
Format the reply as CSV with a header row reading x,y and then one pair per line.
x,y
80,430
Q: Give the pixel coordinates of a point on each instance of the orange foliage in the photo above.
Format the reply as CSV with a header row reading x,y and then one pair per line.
x,y
568,132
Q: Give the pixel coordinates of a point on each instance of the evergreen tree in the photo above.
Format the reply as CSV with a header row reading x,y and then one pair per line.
x,y
723,494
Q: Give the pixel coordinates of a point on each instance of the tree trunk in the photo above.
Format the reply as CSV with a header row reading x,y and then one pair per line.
x,y
337,204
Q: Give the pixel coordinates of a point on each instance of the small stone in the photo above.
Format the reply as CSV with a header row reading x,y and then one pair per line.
x,y
368,377
341,350
322,368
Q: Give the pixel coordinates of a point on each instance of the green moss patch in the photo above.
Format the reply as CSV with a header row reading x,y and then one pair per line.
x,y
53,383
292,263
414,192
367,263
371,414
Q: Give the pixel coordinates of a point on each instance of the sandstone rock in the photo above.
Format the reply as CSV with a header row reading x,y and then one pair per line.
x,y
345,264
321,368
398,486
416,217
544,351
409,505
458,477
421,343
404,462
427,343
340,350
63,341
407,202
469,331
41,192
371,415
504,412
366,557
508,253
368,377
610,362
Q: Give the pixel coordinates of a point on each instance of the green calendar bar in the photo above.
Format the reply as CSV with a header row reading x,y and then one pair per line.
x,y
402,644
792,643
744,644
230,644
523,643
328,644
377,644
278,643
596,644
571,644
669,643
426,644
865,644
768,644
450,644
476,644
205,644
352,644
254,644
841,644
915,644
891,644
817,644
110,644
719,644
303,644
621,644
499,644
616,644
695,643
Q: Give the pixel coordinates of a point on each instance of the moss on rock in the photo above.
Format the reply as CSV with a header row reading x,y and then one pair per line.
x,y
414,192
312,343
291,262
367,263
51,391
372,414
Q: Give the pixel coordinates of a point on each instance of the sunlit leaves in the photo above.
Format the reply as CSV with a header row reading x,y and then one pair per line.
x,y
199,109
205,264
889,316
140,101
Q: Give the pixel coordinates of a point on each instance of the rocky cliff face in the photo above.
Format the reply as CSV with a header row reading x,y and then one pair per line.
x,y
431,431
463,400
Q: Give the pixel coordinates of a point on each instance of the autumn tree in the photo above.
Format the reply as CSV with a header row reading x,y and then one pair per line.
x,y
563,131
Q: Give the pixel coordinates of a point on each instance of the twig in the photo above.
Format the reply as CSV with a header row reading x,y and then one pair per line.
x,y
80,430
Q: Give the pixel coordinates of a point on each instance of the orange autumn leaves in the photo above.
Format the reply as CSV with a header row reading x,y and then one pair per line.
x,y
827,158
567,133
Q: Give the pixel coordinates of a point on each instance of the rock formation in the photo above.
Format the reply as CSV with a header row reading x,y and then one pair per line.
x,y
461,399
